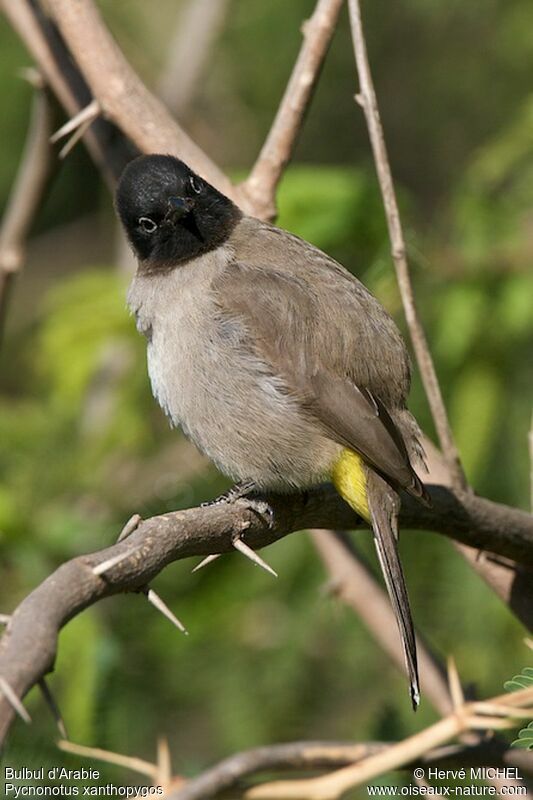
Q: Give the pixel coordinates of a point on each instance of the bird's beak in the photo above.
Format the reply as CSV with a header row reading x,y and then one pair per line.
x,y
178,207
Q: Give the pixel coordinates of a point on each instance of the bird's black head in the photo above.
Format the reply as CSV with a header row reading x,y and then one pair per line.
x,y
169,213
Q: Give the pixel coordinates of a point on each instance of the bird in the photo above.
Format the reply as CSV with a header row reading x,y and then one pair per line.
x,y
275,360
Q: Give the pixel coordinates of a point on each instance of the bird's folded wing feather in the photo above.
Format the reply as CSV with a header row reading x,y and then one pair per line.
x,y
313,347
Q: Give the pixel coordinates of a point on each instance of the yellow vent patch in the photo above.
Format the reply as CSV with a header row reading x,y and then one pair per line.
x,y
349,479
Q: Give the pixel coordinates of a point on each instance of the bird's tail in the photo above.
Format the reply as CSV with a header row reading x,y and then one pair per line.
x,y
372,498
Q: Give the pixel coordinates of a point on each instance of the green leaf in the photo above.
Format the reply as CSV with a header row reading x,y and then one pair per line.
x,y
522,681
525,738
523,743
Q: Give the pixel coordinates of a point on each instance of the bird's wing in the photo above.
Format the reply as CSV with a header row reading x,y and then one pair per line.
x,y
305,343
301,339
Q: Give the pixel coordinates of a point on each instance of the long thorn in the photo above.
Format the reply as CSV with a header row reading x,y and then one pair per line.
x,y
32,76
207,560
164,763
490,723
75,138
135,764
14,701
497,709
247,551
54,708
131,525
156,601
111,562
454,685
89,113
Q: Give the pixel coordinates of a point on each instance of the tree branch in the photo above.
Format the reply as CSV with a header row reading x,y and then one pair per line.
x,y
511,581
28,647
496,713
507,578
367,99
142,117
27,192
276,152
61,75
122,96
305,756
196,31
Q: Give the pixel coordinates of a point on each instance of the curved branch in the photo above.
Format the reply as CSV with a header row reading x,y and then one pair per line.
x,y
28,647
267,171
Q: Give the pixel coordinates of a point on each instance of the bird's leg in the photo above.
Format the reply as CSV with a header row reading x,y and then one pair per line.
x,y
238,492
242,492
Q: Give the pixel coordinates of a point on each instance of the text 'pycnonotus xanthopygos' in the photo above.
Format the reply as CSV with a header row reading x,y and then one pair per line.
x,y
276,361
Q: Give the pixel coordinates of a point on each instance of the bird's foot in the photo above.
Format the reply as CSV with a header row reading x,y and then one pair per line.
x,y
237,492
243,492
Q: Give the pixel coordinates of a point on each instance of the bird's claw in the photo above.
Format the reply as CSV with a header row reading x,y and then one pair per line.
x,y
238,492
242,492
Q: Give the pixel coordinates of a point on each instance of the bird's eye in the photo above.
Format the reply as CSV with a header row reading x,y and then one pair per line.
x,y
195,184
148,225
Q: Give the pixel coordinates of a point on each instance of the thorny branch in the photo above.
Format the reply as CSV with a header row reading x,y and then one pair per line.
x,y
28,648
507,578
353,583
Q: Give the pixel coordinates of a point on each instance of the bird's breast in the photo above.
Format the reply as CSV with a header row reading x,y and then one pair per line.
x,y
174,311
208,380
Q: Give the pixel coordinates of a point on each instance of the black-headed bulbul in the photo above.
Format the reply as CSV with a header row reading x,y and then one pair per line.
x,y
275,360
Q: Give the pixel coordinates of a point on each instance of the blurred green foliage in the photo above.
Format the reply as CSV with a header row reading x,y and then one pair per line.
x,y
522,681
83,445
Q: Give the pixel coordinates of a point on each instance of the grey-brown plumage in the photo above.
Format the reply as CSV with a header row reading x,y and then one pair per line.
x,y
270,355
